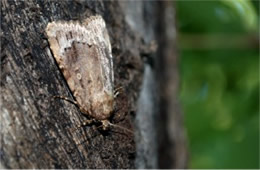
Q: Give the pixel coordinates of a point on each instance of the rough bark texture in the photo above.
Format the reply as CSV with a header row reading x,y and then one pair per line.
x,y
37,132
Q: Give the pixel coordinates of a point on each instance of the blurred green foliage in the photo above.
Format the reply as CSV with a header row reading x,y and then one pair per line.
x,y
220,81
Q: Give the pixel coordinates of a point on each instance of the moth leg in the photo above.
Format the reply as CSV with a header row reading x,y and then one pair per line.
x,y
117,91
106,124
85,123
82,109
67,99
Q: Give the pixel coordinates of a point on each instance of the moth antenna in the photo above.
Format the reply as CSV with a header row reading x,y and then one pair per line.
x,y
66,99
120,127
85,123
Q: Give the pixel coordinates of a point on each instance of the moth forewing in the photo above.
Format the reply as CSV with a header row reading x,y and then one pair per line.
x,y
83,53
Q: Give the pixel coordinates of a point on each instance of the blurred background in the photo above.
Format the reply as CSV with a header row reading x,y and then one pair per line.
x,y
219,69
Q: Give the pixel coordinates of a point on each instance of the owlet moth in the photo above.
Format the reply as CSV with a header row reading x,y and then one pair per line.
x,y
83,53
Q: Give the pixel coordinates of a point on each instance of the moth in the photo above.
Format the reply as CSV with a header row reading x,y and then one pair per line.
x,y
83,53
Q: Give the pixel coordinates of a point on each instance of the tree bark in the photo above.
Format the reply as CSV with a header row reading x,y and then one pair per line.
x,y
38,132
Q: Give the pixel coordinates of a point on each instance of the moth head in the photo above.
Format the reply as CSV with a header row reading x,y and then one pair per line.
x,y
103,106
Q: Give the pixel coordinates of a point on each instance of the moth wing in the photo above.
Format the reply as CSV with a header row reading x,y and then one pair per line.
x,y
83,53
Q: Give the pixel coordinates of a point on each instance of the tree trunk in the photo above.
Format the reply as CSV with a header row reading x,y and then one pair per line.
x,y
38,132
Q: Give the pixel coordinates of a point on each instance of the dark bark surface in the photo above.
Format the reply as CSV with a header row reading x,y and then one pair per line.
x,y
171,134
38,132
